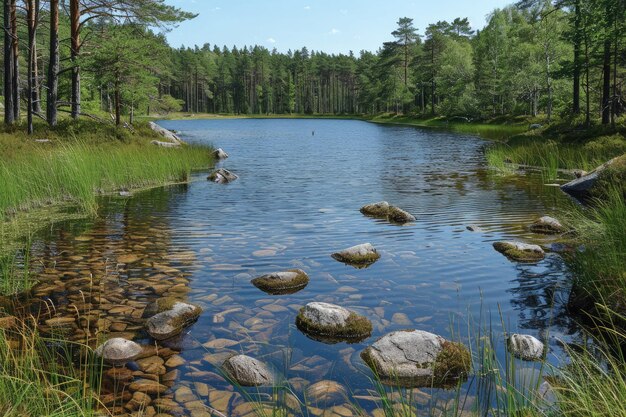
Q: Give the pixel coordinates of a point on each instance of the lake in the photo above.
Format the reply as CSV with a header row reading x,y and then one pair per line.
x,y
297,200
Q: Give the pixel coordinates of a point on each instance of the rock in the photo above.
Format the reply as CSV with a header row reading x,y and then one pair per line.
x,y
222,176
325,393
247,371
148,386
417,358
397,215
220,154
535,126
474,228
331,323
165,144
118,351
380,209
167,134
363,255
579,173
526,347
172,322
285,282
159,306
582,188
547,225
521,252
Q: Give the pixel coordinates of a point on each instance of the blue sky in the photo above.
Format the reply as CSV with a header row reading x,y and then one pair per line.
x,y
337,26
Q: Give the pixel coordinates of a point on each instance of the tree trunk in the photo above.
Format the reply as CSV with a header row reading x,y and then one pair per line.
x,y
576,70
606,83
31,18
53,68
9,115
118,105
74,53
36,86
16,62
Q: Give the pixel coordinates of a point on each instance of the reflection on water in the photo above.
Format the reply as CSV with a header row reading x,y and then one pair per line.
x,y
296,202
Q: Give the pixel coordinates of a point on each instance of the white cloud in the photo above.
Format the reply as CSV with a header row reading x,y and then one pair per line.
x,y
334,31
307,7
271,40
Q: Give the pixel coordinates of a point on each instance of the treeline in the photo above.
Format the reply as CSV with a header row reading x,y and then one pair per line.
x,y
537,56
51,46
558,58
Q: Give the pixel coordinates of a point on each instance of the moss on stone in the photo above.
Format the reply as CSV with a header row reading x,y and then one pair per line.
x,y
611,180
452,362
272,285
363,260
397,215
515,254
379,210
356,329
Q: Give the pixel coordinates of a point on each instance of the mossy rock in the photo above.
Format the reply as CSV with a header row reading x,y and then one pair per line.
x,y
330,323
547,225
397,215
284,282
222,176
159,306
379,210
358,256
415,358
610,180
520,252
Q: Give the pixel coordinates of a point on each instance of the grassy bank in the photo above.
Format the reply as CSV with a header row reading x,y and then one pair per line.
x,y
77,162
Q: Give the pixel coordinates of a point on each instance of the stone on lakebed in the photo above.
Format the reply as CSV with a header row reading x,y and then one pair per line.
x,y
172,322
118,351
331,323
526,347
364,255
247,371
417,358
222,176
547,225
283,282
520,252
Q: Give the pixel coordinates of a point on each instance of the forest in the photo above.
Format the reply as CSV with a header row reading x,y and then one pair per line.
x,y
555,58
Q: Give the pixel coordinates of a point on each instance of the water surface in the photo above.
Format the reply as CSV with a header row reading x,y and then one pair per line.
x,y
301,185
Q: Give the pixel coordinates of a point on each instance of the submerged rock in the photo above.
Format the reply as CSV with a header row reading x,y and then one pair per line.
x,y
521,252
474,228
247,371
118,351
526,347
222,176
284,282
547,225
417,358
220,154
331,323
397,215
380,209
172,322
326,393
364,254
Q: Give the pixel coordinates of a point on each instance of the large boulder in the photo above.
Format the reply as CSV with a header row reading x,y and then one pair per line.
x,y
173,321
283,282
359,255
526,347
417,358
587,185
247,371
547,225
222,176
397,215
167,134
520,252
118,351
380,209
331,323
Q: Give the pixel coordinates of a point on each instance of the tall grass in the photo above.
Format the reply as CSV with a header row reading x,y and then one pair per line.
x,y
38,378
77,171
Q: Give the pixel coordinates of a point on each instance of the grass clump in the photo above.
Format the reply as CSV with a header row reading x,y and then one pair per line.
x,y
454,360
